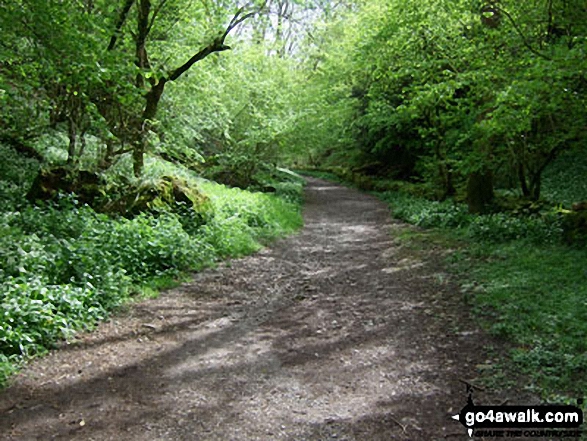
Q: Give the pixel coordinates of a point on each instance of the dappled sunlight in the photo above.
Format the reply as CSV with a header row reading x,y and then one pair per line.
x,y
311,336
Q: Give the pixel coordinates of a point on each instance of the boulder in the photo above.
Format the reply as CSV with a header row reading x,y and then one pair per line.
x,y
167,193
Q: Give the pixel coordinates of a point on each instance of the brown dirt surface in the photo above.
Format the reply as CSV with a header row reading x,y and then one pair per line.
x,y
336,333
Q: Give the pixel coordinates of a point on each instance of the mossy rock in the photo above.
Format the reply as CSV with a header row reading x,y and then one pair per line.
x,y
163,195
575,225
49,183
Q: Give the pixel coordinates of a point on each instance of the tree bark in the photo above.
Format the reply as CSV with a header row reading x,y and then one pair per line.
x,y
121,20
480,191
522,179
152,99
153,96
72,133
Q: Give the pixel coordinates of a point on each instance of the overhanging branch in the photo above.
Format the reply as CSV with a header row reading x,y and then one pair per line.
x,y
218,44
521,34
155,14
120,23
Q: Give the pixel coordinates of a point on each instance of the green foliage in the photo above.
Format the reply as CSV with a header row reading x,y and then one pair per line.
x,y
564,181
235,115
524,283
65,267
533,296
37,314
16,175
428,92
432,91
536,297
245,220
283,183
496,227
501,227
425,213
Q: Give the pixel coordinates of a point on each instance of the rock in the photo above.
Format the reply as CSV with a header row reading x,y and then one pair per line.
x,y
164,194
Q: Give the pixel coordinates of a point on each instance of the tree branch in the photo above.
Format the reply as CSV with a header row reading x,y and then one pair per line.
x,y
520,33
121,20
122,151
236,20
217,45
155,13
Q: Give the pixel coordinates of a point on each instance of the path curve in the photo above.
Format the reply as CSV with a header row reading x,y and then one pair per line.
x,y
336,333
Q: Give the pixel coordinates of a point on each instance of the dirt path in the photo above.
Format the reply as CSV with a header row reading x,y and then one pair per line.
x,y
333,334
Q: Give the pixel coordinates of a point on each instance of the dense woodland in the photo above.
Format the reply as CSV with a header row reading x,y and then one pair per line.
x,y
140,139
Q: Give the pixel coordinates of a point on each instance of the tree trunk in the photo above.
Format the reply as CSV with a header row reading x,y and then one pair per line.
x,y
152,98
138,157
535,186
449,188
82,148
142,60
522,179
480,191
444,172
72,132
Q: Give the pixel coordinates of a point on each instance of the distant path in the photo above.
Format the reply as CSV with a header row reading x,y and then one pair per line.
x,y
337,333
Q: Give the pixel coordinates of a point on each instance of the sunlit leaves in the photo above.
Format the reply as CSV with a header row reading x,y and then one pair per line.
x,y
431,79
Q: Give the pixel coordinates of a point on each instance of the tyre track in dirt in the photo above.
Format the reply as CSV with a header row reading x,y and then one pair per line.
x,y
336,333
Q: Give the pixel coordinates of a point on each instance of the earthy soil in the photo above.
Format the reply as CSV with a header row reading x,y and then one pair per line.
x,y
336,333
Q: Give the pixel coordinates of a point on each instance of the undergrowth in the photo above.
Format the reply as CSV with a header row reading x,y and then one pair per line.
x,y
535,297
66,267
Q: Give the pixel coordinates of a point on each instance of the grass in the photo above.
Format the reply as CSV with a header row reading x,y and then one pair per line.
x,y
523,283
153,287
536,297
66,267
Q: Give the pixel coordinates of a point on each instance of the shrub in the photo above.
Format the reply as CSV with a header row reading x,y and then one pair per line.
x,y
498,227
66,266
16,175
501,227
37,314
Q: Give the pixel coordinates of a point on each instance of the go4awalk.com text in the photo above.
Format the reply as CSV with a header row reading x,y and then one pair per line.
x,y
544,421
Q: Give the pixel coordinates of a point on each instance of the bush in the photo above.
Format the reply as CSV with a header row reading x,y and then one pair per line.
x,y
497,227
144,246
16,175
503,228
36,314
65,266
564,180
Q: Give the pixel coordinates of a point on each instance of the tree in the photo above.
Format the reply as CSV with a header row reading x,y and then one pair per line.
x,y
102,66
461,94
147,17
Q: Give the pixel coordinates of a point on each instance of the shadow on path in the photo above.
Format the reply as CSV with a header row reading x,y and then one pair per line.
x,y
335,333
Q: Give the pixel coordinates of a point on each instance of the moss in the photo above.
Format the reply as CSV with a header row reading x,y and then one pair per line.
x,y
165,194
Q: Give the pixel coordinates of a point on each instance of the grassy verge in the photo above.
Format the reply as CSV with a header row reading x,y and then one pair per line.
x,y
66,267
521,281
